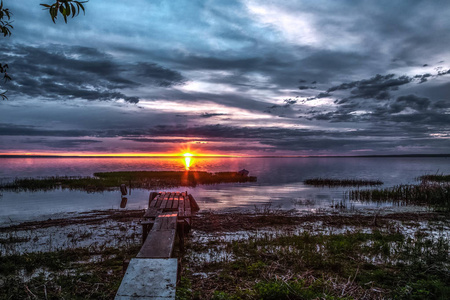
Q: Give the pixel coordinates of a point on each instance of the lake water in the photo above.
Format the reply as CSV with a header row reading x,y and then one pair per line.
x,y
280,182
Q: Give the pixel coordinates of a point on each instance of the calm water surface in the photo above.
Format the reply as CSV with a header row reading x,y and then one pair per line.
x,y
280,182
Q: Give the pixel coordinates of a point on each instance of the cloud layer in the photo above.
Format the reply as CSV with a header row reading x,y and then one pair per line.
x,y
238,77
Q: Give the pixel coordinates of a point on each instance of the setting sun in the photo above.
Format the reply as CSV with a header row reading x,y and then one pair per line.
x,y
187,160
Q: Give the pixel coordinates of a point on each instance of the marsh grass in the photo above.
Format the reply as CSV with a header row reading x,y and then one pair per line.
x,y
328,182
381,264
435,178
68,274
135,179
435,195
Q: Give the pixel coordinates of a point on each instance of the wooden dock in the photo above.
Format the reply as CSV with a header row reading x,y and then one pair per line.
x,y
153,273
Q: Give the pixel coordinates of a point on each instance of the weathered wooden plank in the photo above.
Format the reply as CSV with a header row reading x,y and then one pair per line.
x,y
166,201
158,223
160,199
147,279
170,201
194,205
181,207
187,204
160,244
152,212
176,200
152,202
161,239
187,207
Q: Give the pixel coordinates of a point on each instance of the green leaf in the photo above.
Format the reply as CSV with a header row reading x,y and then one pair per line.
x,y
73,10
82,7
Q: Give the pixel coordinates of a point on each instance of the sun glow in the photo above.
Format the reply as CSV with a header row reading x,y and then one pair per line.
x,y
187,160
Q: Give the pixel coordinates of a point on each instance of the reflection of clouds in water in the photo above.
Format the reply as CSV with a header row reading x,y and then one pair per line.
x,y
284,194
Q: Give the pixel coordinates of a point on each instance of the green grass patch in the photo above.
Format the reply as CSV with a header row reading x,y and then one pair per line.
x,y
334,266
83,273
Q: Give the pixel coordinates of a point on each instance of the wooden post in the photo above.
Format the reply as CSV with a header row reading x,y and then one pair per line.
x,y
126,262
180,231
123,189
146,227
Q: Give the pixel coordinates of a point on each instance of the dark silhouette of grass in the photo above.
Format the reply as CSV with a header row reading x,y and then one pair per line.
x,y
435,178
431,194
321,182
135,179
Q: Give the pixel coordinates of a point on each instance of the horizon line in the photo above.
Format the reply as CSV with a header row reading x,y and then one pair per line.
x,y
214,156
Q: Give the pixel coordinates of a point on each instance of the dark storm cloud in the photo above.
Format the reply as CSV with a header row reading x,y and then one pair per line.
x,y
441,73
248,102
377,87
423,78
23,130
414,102
322,95
299,140
220,63
326,64
243,138
379,100
63,144
280,66
306,87
441,104
289,102
158,75
149,140
211,115
67,72
416,111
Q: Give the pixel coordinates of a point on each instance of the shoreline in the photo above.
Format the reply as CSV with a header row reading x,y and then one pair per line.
x,y
230,255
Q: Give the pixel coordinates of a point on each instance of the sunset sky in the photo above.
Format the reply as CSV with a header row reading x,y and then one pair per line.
x,y
229,77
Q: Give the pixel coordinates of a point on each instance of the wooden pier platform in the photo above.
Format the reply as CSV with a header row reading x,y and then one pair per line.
x,y
153,273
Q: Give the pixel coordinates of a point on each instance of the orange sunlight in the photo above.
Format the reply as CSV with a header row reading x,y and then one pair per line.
x,y
187,160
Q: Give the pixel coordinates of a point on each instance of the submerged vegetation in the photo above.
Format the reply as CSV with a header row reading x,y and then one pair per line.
x,y
135,179
322,182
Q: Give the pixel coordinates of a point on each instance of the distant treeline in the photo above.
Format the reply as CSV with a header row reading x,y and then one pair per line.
x,y
134,179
